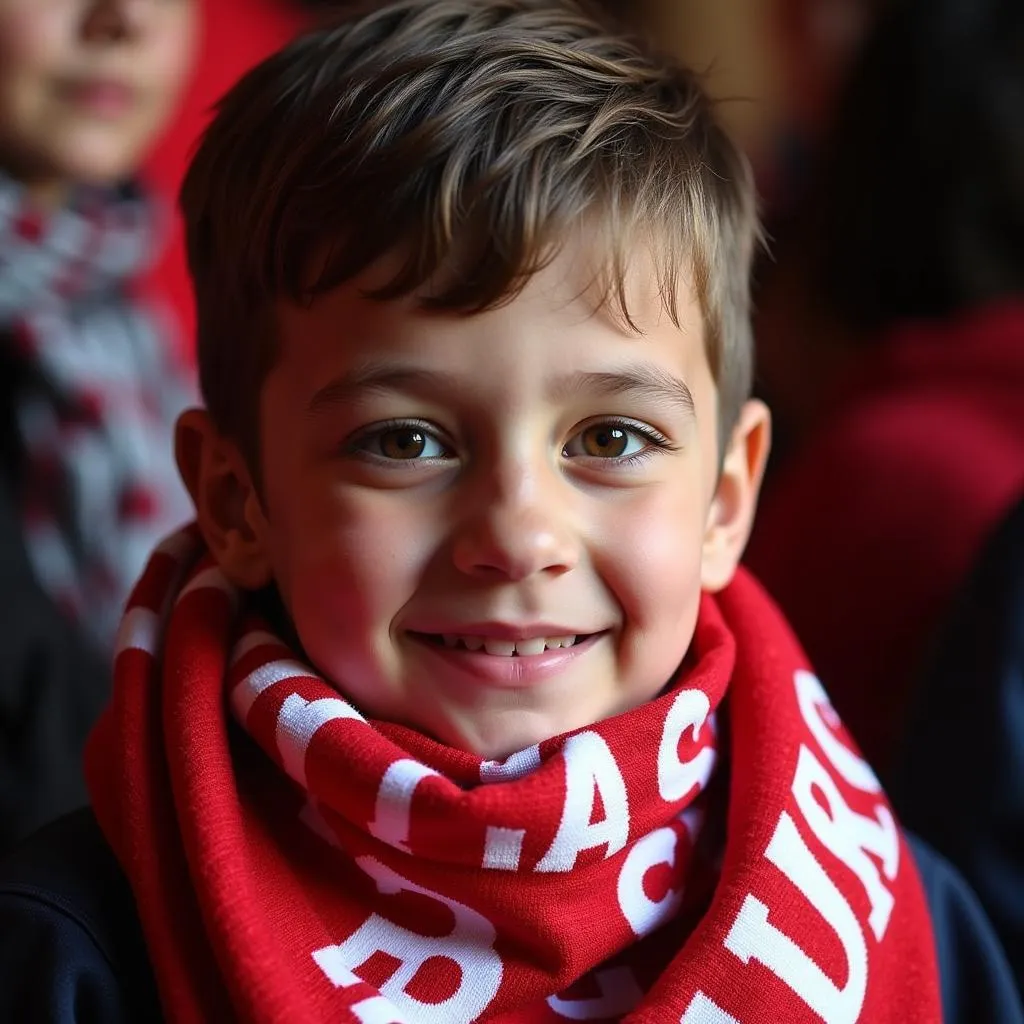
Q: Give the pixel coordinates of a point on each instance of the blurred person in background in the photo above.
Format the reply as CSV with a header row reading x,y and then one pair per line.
x,y
88,391
86,258
891,345
85,249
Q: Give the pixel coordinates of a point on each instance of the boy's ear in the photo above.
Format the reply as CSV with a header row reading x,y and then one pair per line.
x,y
228,507
732,509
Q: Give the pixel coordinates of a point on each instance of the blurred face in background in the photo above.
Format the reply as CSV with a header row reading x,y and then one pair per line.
x,y
85,85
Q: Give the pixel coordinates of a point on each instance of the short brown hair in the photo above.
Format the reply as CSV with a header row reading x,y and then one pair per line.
x,y
481,130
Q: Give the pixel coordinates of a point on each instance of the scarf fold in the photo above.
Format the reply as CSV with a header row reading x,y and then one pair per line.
x,y
293,861
93,395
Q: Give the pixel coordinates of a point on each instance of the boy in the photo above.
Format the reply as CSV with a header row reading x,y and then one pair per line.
x,y
447,710
87,392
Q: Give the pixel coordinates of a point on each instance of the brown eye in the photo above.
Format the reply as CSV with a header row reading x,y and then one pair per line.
x,y
616,442
403,443
394,442
604,441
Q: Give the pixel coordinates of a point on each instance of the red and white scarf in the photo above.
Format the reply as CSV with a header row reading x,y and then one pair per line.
x,y
92,392
294,862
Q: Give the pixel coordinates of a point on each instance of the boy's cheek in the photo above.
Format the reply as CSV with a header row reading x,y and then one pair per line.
x,y
653,546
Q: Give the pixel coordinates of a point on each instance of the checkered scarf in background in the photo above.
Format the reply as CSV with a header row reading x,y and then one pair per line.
x,y
95,397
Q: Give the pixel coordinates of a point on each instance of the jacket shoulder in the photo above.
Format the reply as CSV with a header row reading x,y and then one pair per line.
x,y
71,947
978,985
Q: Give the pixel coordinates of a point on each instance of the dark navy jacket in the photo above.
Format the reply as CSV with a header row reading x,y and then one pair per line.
x,y
53,684
960,783
71,949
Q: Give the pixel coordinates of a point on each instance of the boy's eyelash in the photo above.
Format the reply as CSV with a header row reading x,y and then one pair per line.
x,y
655,438
352,444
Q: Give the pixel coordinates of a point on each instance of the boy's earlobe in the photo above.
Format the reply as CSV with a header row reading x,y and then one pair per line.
x,y
227,504
732,509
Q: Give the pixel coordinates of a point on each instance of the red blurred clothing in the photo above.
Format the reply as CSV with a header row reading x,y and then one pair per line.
x,y
871,526
236,34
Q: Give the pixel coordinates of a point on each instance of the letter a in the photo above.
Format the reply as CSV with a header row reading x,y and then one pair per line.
x,y
589,767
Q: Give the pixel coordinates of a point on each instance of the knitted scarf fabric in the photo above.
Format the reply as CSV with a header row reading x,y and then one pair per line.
x,y
94,396
294,862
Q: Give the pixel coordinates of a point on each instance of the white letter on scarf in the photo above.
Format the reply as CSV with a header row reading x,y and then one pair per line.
x,y
372,1010
394,802
752,937
676,778
848,835
812,700
298,722
619,994
377,1010
643,913
470,945
589,766
703,1010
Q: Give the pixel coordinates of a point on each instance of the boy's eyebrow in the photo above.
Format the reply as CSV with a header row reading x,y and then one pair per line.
x,y
377,377
641,380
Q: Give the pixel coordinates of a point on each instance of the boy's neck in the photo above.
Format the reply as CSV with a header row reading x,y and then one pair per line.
x,y
268,603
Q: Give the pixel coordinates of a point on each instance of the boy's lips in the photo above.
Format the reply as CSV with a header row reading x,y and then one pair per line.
x,y
495,630
499,662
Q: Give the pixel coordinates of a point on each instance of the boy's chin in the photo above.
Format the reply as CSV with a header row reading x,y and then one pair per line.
x,y
498,735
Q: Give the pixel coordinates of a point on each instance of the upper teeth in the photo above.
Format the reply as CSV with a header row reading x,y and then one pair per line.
x,y
506,648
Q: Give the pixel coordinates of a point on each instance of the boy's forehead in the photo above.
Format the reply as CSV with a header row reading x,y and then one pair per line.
x,y
563,323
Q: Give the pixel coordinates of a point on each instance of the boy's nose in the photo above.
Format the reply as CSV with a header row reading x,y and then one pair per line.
x,y
516,535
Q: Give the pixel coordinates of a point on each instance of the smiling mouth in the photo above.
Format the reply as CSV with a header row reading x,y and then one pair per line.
x,y
501,648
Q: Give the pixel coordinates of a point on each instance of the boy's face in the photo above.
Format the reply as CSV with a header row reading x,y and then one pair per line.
x,y
438,488
85,85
